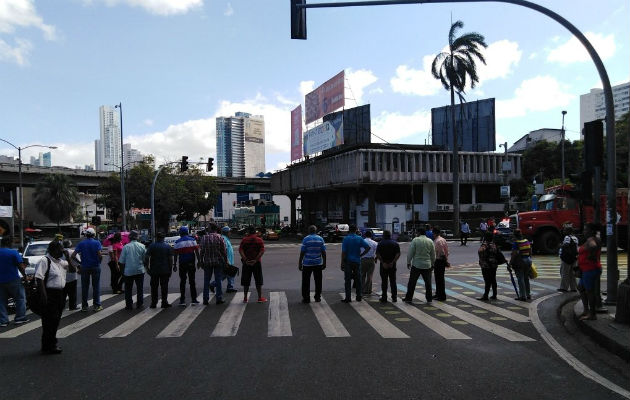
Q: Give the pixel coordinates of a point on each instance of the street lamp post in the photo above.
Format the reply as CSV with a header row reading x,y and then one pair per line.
x,y
562,145
122,171
21,197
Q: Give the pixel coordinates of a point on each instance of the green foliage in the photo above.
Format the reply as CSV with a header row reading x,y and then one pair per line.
x,y
622,136
56,197
546,158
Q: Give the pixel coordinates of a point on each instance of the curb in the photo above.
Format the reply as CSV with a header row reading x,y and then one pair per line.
x,y
599,337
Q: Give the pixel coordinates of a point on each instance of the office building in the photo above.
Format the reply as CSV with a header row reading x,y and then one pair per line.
x,y
533,137
240,145
592,105
107,149
131,157
43,160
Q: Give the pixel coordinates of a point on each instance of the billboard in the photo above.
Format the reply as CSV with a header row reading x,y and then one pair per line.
x,y
296,133
254,129
326,98
356,124
325,136
476,129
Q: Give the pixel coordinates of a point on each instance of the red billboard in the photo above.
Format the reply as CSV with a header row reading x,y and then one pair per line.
x,y
327,98
296,133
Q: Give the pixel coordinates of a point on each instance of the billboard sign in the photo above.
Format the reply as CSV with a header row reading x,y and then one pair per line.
x,y
254,130
296,133
325,136
325,99
475,121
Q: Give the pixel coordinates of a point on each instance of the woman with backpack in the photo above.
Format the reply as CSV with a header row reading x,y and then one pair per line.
x,y
490,257
568,261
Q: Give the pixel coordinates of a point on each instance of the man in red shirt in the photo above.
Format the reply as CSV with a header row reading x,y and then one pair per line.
x,y
251,250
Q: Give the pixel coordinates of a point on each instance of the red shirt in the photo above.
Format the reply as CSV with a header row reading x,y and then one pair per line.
x,y
251,246
584,263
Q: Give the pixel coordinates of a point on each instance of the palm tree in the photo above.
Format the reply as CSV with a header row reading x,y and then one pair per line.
x,y
454,68
56,197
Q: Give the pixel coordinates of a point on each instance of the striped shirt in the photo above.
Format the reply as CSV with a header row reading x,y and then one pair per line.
x,y
185,248
523,246
313,246
212,250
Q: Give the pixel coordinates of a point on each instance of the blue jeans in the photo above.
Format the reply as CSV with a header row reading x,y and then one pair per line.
x,y
16,290
352,271
230,280
217,269
95,274
522,276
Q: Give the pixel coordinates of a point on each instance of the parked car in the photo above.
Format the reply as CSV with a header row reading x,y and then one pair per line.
x,y
503,235
447,234
377,233
270,234
334,232
34,252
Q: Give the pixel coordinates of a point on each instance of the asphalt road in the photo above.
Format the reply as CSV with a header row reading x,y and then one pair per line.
x,y
463,350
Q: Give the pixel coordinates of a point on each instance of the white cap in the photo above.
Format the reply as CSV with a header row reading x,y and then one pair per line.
x,y
90,231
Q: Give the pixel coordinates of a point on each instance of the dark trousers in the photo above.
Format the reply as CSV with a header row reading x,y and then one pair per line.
x,y
116,281
160,280
490,279
438,270
388,274
129,281
413,279
50,317
316,270
70,292
187,270
463,239
352,271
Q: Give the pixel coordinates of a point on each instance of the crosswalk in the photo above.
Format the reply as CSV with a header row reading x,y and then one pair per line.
x,y
461,317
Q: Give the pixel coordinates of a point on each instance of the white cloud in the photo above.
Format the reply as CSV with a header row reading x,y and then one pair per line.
x,y
541,93
418,82
18,53
377,90
306,87
159,7
22,13
501,58
229,11
148,122
357,82
573,51
393,126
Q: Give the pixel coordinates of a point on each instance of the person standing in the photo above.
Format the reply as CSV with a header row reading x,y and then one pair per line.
x,y
50,274
225,234
159,262
521,261
490,257
420,261
132,263
251,251
483,228
186,252
441,262
388,252
568,258
70,289
464,233
114,249
428,231
90,251
213,260
368,263
312,261
11,266
589,261
351,262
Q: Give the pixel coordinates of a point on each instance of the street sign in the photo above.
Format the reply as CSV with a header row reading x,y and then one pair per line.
x,y
505,192
507,166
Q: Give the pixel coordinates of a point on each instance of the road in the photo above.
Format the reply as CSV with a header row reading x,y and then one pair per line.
x,y
458,349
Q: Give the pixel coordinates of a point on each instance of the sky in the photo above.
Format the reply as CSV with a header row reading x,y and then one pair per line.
x,y
176,65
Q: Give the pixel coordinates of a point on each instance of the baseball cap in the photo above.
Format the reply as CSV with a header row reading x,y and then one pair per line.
x,y
90,231
225,229
183,230
58,236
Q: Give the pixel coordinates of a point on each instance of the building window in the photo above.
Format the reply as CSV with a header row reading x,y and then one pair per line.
x,y
366,162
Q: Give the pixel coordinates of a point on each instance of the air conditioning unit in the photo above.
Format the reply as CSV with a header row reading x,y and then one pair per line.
x,y
447,207
440,207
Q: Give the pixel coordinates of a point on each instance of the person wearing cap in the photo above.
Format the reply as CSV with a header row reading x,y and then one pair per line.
x,y
159,262
132,263
187,254
11,266
225,234
90,251
213,260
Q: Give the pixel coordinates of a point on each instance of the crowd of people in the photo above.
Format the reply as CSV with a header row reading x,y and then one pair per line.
x,y
428,256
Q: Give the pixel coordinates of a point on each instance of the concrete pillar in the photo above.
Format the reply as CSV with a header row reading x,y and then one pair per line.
x,y
371,207
345,206
292,218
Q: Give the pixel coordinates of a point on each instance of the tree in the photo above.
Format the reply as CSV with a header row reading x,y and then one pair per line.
x,y
56,197
622,138
453,68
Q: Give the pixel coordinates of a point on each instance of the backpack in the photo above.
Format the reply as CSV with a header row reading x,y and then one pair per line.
x,y
33,295
569,252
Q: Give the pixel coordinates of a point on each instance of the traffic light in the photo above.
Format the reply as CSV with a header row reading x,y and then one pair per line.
x,y
184,166
298,20
210,164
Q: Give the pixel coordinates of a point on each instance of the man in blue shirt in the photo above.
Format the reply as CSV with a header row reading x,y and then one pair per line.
x,y
312,261
351,261
90,251
132,261
11,283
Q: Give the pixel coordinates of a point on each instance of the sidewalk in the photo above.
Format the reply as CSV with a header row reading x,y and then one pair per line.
x,y
605,331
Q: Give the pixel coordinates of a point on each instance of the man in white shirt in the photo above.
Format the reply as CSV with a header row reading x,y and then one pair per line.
x,y
568,261
367,264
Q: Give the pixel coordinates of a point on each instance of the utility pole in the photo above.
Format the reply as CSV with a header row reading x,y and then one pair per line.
x,y
562,146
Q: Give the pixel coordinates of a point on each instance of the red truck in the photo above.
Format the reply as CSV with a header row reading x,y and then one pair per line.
x,y
560,206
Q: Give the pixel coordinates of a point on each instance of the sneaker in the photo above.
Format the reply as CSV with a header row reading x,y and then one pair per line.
x,y
182,304
205,302
98,308
348,300
482,298
382,300
359,298
306,301
262,300
394,299
166,305
318,299
84,309
220,302
194,302
493,297
21,321
153,305
231,290
4,325
244,299
408,301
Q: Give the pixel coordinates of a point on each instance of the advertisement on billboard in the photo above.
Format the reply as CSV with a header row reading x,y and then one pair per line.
x,y
296,133
254,130
475,123
325,99
325,136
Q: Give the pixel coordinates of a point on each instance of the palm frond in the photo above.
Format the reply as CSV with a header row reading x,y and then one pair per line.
x,y
451,33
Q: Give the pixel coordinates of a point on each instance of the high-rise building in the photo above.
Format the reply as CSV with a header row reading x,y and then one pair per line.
x,y
131,157
240,145
46,159
592,106
107,149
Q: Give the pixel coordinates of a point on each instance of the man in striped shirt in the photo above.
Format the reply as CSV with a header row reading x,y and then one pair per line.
x,y
312,261
213,259
187,252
